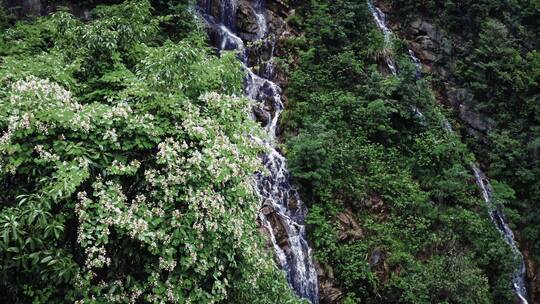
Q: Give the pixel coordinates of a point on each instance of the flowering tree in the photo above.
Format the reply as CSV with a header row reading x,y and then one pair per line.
x,y
140,192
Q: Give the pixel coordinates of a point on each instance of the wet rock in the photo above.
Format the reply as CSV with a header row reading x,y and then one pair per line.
x,y
261,115
279,229
267,210
375,257
209,6
247,25
292,203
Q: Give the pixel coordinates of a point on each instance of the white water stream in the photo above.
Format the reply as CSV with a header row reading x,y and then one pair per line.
x,y
283,212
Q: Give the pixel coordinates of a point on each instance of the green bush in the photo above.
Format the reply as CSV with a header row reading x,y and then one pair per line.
x,y
126,167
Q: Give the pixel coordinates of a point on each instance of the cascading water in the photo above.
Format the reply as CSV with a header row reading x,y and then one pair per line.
x,y
498,218
380,19
283,213
496,214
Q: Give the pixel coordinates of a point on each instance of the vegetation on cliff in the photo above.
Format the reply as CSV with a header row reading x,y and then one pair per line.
x,y
496,46
359,150
126,166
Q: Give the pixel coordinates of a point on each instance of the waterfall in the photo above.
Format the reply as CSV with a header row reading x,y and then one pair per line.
x,y
498,218
496,214
380,19
282,213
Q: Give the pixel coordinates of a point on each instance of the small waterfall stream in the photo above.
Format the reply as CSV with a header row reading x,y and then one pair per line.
x,y
498,218
283,212
380,19
495,213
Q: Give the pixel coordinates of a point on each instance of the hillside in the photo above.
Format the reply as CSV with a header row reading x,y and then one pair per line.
x,y
279,151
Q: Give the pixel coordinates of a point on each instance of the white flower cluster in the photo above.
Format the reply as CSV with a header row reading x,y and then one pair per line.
x,y
168,265
226,106
111,134
46,155
119,168
42,89
15,123
170,150
32,98
96,257
121,110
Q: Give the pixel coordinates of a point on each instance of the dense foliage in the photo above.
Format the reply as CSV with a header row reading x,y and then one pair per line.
x,y
125,166
358,148
501,68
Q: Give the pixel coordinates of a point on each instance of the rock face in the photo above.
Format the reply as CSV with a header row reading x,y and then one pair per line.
x,y
32,8
533,269
248,28
328,292
253,32
432,47
350,230
463,101
439,53
24,8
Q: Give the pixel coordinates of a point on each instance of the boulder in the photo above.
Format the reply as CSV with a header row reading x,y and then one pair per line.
x,y
292,203
329,294
266,210
280,232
